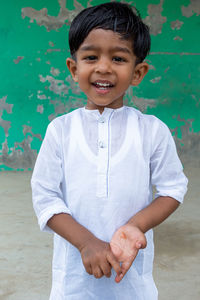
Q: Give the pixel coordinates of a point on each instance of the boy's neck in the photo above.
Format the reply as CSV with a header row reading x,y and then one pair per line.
x,y
91,106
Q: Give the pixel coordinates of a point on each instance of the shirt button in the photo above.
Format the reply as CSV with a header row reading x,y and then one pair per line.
x,y
101,120
101,144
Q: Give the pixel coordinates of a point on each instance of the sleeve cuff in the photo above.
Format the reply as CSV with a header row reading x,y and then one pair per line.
x,y
47,214
176,196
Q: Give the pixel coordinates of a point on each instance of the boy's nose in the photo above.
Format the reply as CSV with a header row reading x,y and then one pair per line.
x,y
103,66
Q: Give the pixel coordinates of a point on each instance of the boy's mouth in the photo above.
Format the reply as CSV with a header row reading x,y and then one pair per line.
x,y
103,84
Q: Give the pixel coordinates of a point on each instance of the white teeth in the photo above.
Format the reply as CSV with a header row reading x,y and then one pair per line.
x,y
100,84
103,84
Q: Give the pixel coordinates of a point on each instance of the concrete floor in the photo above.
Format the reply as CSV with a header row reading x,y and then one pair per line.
x,y
25,256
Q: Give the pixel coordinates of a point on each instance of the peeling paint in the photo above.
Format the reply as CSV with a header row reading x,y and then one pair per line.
x,y
20,157
176,25
40,109
42,18
8,108
55,72
5,106
177,38
155,19
18,59
191,9
42,97
6,126
151,67
59,87
62,108
156,79
51,44
190,140
28,129
143,103
74,86
140,102
52,50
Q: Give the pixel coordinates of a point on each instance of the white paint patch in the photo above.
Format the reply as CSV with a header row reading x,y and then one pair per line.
x,y
156,79
40,109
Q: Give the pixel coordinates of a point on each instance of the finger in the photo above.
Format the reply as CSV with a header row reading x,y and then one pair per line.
x,y
106,269
124,267
114,263
143,243
116,250
138,245
88,267
97,272
89,270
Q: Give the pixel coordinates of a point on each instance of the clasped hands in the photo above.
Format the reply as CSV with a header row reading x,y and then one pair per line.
x,y
100,257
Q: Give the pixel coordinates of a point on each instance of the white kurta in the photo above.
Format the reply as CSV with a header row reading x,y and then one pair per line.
x,y
100,168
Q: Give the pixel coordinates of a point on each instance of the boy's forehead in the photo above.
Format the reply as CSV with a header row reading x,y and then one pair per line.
x,y
102,38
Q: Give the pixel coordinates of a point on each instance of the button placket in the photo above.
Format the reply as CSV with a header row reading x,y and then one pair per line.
x,y
102,157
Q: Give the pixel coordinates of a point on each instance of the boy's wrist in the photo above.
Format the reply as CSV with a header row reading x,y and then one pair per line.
x,y
90,238
134,223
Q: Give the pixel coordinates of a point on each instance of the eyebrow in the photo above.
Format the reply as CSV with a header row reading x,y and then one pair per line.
x,y
115,49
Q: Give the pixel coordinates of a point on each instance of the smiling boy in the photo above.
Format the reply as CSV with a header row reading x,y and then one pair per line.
x,y
92,182
105,66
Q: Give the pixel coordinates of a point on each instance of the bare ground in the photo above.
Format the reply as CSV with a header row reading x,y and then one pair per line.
x,y
25,255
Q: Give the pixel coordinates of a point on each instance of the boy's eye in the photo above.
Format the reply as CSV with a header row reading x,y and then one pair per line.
x,y
119,59
90,57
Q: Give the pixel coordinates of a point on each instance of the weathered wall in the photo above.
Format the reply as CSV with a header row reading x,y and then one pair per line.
x,y
35,85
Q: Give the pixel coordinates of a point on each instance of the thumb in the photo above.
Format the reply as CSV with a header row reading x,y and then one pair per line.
x,y
141,244
116,250
124,269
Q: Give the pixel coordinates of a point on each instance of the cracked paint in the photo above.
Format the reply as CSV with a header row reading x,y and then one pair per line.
x,y
190,140
40,109
176,25
55,72
42,18
177,38
59,87
156,79
191,9
155,19
139,102
18,59
8,108
20,157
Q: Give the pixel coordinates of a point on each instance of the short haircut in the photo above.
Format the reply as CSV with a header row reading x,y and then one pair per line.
x,y
118,17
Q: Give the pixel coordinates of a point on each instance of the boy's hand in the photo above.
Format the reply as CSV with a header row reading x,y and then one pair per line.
x,y
98,258
125,244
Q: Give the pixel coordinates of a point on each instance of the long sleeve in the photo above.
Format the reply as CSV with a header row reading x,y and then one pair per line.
x,y
166,169
47,180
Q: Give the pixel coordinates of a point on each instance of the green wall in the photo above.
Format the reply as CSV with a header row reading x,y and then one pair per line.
x,y
36,87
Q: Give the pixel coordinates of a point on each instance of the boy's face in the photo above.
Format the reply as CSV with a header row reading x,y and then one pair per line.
x,y
105,68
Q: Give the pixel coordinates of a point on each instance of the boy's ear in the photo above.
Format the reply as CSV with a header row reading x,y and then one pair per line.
x,y
71,64
139,73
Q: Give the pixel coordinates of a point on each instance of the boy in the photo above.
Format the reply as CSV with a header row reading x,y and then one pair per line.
x,y
92,182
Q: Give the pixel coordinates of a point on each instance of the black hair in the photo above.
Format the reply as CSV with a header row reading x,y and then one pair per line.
x,y
118,17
